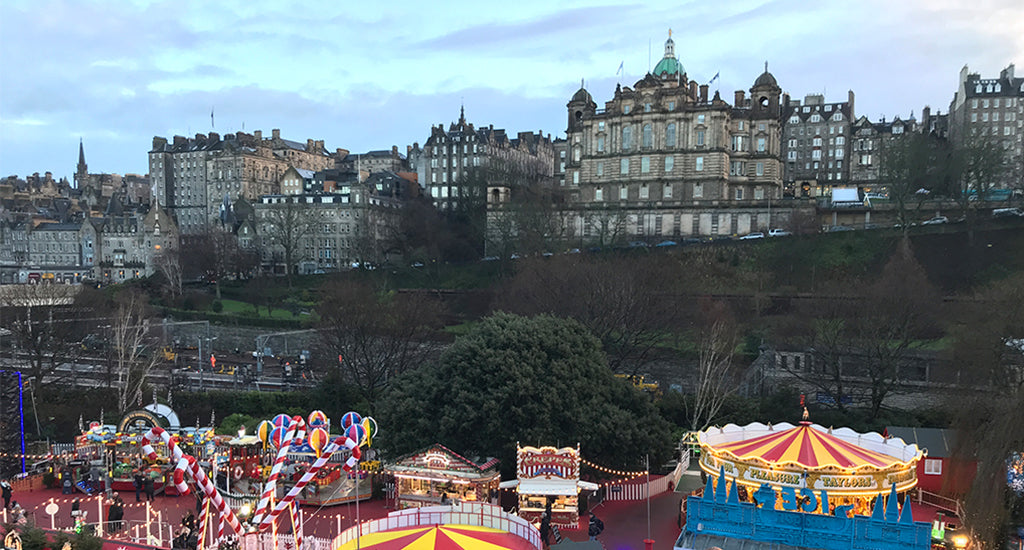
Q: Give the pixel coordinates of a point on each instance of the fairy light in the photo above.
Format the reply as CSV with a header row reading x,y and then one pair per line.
x,y
619,473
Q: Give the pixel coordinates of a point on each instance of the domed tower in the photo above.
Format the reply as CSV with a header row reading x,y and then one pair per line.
x,y
669,68
581,106
765,95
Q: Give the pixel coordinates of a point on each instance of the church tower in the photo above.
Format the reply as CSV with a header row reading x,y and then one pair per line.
x,y
82,172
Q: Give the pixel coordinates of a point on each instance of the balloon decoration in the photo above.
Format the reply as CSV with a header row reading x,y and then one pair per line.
x,y
370,427
263,432
282,420
318,438
277,436
356,433
318,419
349,419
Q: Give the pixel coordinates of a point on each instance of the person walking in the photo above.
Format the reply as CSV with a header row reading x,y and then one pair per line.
x,y
5,487
150,488
595,528
138,482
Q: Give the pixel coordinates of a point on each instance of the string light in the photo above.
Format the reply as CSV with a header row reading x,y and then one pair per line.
x,y
619,473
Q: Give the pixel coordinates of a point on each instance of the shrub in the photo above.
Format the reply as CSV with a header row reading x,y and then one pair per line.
x,y
217,306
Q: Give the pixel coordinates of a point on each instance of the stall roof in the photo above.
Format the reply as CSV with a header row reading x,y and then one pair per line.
x,y
548,487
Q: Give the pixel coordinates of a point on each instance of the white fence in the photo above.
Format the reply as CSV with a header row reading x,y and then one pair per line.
x,y
638,491
265,541
465,513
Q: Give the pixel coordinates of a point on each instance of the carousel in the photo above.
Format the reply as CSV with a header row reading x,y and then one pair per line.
x,y
850,467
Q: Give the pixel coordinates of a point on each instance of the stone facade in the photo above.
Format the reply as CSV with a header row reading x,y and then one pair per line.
x,y
991,109
374,161
664,159
449,155
816,144
868,141
192,176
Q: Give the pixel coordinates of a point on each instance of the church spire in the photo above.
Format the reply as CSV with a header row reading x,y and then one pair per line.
x,y
82,171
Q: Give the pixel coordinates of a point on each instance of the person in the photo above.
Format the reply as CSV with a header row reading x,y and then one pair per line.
x,y
150,490
444,498
7,492
189,521
19,514
76,508
138,482
595,528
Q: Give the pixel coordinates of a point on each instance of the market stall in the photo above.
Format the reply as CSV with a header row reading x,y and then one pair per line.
x,y
438,475
548,474
850,467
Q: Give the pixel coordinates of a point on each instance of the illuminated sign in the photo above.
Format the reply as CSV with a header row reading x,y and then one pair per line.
x,y
781,478
845,482
138,421
436,460
902,477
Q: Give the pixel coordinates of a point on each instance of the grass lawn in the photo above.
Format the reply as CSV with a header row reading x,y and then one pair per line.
x,y
237,307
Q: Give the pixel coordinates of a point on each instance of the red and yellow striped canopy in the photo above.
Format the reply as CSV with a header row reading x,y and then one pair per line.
x,y
440,537
808,448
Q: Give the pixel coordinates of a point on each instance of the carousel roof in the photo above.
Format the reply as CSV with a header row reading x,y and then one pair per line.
x,y
809,446
439,537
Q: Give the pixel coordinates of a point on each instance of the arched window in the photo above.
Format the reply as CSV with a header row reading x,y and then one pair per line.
x,y
670,135
627,138
648,138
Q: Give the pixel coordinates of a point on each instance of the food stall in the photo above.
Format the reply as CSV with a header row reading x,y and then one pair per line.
x,y
548,474
438,475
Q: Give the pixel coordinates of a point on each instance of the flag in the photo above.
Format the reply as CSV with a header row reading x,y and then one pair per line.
x,y
211,117
714,78
620,67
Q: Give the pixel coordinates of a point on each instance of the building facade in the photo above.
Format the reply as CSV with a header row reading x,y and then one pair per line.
x,y
448,157
664,159
868,141
192,176
816,144
991,109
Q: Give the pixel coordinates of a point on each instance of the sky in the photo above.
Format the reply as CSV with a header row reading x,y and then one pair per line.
x,y
369,75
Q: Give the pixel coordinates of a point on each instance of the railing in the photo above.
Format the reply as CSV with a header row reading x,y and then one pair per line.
x,y
266,541
465,513
951,505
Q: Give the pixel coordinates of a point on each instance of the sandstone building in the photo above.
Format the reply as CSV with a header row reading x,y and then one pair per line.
x,y
991,109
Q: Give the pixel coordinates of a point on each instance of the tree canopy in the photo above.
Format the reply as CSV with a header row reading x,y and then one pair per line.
x,y
539,381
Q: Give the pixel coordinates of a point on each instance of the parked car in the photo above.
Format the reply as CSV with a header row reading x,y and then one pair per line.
x,y
839,228
748,236
1007,212
778,233
638,244
937,220
666,243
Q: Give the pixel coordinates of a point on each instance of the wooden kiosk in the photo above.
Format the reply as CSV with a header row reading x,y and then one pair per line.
x,y
548,473
437,475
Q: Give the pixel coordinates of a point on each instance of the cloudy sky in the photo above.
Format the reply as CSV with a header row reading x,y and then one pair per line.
x,y
368,75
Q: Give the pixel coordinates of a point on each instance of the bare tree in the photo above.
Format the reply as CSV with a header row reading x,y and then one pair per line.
x,y
375,335
132,349
716,375
47,324
284,226
910,163
168,263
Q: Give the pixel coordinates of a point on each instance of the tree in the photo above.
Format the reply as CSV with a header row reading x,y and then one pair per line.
x,y
214,255
628,308
716,375
375,335
912,165
132,352
540,380
285,225
975,167
168,264
48,323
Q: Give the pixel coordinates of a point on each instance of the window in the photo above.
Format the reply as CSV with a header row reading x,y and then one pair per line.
x,y
671,105
839,153
817,142
645,165
645,192
700,119
815,117
599,170
667,192
741,125
933,466
699,164
670,135
995,117
576,177
576,153
627,138
760,145
792,120
984,104
624,166
816,154
623,192
700,138
737,143
759,169
899,129
760,127
647,107
974,117
792,143
670,162
698,190
739,193
995,102
792,155
598,194
648,139
737,168
758,193
625,109
600,144
974,104
837,117
840,140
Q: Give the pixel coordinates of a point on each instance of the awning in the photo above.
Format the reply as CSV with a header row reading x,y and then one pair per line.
x,y
587,486
548,487
510,484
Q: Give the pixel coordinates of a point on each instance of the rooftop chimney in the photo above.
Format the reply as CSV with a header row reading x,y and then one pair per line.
x,y
703,93
739,99
275,133
258,134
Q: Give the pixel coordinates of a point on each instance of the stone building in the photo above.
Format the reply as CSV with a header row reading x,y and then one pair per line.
x,y
868,142
664,159
816,144
449,155
991,109
192,176
374,161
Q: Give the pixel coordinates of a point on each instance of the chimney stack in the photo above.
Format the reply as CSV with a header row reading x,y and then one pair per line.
x,y
275,134
739,99
258,134
703,93
693,90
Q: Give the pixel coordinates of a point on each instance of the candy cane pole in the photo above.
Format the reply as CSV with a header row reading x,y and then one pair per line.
x,y
203,520
296,429
351,463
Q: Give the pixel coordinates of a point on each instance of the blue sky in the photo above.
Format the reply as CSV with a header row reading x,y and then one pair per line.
x,y
371,75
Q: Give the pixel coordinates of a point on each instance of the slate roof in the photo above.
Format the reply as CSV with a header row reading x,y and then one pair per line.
x,y
939,442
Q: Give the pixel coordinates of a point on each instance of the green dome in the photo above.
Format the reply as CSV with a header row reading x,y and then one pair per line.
x,y
668,66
